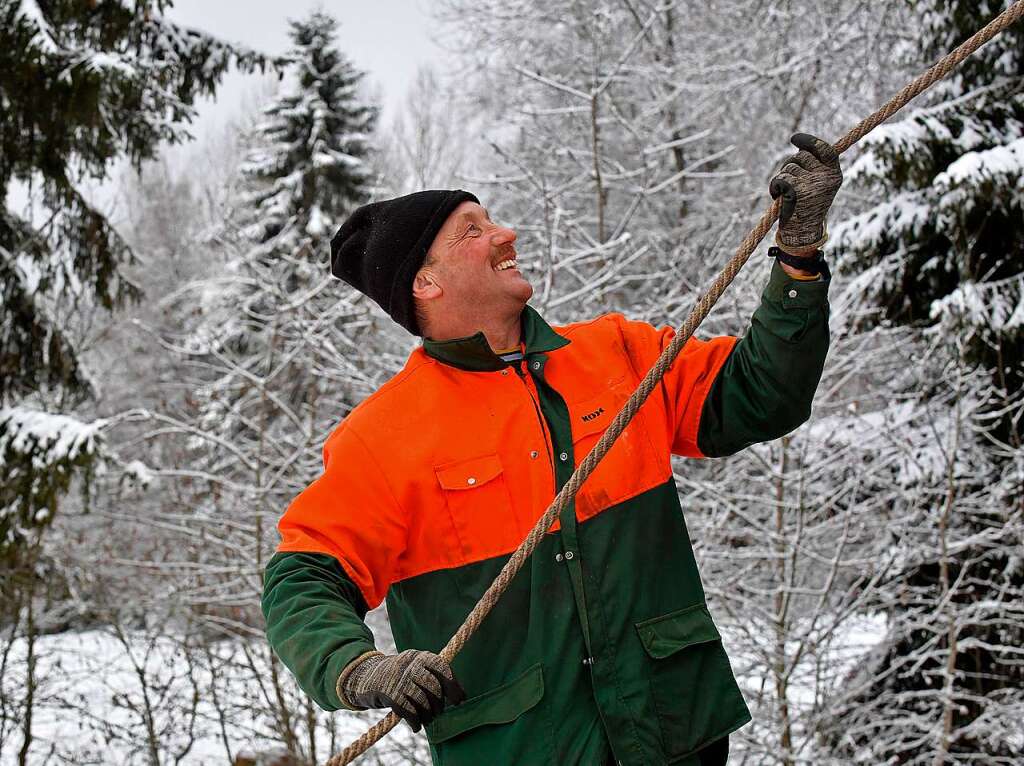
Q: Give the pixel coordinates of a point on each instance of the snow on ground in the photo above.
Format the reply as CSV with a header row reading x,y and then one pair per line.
x,y
819,673
857,637
203,706
209,704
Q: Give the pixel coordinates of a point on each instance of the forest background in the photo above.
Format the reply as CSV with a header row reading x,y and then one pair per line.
x,y
171,361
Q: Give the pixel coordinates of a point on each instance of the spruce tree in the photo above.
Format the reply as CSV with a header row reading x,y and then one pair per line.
x,y
82,85
278,340
281,350
941,255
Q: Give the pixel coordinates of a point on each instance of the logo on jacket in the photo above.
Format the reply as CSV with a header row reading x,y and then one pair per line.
x,y
594,414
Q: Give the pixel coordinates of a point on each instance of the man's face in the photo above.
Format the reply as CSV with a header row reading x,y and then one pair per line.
x,y
473,261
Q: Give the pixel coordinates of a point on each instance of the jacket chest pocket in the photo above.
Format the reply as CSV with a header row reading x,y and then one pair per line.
x,y
631,465
693,690
480,506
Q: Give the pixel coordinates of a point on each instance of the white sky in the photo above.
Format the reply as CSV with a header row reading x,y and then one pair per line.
x,y
387,39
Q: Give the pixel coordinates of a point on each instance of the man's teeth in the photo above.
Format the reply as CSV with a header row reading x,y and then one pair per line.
x,y
505,265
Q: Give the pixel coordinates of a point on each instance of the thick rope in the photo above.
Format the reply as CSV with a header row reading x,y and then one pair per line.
x,y
704,305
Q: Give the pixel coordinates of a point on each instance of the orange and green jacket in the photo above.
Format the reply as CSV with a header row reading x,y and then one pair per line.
x,y
603,642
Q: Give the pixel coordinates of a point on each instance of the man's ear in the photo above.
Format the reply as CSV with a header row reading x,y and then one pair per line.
x,y
425,286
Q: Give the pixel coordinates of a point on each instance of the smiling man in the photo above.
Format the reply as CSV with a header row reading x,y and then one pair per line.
x,y
603,650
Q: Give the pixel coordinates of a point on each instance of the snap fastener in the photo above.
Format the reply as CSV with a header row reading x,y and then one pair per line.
x,y
533,454
588,660
564,456
558,557
470,480
568,555
792,293
504,372
536,365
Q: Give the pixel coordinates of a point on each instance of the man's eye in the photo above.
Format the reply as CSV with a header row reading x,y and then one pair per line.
x,y
473,227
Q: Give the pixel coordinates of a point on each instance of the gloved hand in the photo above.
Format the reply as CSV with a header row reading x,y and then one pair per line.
x,y
414,684
807,183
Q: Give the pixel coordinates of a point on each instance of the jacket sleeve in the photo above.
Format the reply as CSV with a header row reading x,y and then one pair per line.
x,y
314,615
766,386
675,410
349,513
341,539
726,393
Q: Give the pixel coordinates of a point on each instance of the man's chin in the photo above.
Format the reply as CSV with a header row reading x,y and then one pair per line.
x,y
523,294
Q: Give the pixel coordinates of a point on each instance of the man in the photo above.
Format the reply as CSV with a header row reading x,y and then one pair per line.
x,y
602,650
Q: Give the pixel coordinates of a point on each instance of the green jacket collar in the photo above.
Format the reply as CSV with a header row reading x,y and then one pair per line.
x,y
473,353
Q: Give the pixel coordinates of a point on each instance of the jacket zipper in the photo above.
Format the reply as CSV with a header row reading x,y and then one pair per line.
x,y
574,573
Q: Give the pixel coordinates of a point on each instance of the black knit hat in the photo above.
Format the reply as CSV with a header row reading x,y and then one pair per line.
x,y
381,246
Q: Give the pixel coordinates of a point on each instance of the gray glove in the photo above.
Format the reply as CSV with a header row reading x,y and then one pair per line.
x,y
807,183
414,684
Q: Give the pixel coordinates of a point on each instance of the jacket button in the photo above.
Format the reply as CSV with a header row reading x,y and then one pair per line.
x,y
533,454
536,365
470,480
792,293
504,372
564,456
558,557
568,555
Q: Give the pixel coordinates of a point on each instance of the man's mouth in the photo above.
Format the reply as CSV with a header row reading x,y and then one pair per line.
x,y
509,263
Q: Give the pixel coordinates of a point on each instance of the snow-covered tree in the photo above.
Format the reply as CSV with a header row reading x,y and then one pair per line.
x,y
275,327
82,85
308,167
630,137
941,253
272,339
944,243
276,351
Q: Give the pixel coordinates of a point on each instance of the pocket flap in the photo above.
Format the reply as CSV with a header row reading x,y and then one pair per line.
x,y
468,474
666,635
502,704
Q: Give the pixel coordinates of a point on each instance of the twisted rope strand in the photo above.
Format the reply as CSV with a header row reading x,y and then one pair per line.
x,y
700,310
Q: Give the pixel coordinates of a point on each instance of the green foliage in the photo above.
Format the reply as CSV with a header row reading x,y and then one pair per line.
x,y
40,454
83,84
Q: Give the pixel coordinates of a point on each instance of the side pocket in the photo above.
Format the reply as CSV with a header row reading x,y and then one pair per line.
x,y
692,685
503,725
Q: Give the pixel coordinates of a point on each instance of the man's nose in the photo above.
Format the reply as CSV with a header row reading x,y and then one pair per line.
x,y
503,235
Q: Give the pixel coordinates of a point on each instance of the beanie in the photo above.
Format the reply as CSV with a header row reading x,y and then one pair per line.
x,y
382,245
